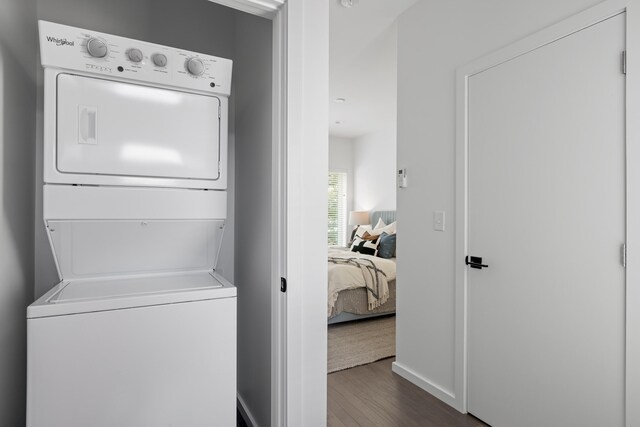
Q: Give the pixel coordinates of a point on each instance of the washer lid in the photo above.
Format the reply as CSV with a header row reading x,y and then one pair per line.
x,y
109,288
85,249
116,293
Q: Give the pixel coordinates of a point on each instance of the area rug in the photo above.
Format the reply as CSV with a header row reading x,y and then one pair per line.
x,y
360,342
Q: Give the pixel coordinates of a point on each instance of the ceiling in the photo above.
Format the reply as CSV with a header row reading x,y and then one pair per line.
x,y
362,65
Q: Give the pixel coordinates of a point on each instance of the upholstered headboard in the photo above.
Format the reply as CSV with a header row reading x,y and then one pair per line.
x,y
387,216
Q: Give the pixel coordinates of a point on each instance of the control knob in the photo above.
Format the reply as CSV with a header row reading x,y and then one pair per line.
x,y
97,48
195,66
135,55
159,59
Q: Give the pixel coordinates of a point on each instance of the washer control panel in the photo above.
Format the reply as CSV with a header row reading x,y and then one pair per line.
x,y
87,51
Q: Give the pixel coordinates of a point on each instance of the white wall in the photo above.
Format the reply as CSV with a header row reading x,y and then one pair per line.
x,y
374,152
374,168
341,154
17,136
306,208
370,164
435,37
253,94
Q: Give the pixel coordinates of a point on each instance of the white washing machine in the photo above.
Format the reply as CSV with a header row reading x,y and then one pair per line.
x,y
141,329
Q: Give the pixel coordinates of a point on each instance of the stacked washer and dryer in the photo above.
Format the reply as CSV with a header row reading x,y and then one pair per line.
x,y
141,329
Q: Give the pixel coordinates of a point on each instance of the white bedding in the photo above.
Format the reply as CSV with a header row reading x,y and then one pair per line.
x,y
344,276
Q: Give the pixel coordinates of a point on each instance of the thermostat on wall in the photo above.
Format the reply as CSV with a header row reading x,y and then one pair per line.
x,y
402,178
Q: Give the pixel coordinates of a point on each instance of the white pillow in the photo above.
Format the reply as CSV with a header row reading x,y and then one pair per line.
x,y
380,224
363,229
389,229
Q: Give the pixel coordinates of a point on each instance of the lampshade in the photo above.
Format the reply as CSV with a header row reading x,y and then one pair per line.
x,y
358,217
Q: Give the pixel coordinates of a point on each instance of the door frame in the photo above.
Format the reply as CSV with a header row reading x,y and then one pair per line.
x,y
300,162
548,35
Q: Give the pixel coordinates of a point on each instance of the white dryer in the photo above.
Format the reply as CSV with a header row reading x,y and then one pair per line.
x,y
141,329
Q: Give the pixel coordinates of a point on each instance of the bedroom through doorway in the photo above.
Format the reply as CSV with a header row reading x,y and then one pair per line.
x,y
361,217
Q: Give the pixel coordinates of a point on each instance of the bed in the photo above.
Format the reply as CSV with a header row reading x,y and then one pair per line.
x,y
361,285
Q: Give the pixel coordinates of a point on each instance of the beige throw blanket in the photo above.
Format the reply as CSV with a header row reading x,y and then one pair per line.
x,y
351,270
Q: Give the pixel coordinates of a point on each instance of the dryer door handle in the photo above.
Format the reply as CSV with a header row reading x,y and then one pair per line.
x,y
87,125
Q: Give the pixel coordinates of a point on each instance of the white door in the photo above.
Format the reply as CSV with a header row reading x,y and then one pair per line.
x,y
547,215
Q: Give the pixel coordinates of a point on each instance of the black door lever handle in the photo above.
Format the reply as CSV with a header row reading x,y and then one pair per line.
x,y
474,262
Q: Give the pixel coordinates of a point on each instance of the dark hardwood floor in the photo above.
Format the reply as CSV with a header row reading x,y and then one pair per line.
x,y
372,395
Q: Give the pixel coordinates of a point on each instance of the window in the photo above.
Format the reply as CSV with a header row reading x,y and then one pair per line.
x,y
337,216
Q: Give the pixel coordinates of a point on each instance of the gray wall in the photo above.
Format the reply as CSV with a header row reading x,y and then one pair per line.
x,y
196,25
17,135
253,213
434,38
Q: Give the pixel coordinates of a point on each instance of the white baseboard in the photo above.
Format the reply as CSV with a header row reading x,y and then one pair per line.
x,y
428,386
246,414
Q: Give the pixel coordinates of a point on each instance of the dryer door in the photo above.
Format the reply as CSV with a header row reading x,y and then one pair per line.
x,y
117,129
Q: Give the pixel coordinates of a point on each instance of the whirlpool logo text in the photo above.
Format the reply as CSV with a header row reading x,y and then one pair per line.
x,y
60,42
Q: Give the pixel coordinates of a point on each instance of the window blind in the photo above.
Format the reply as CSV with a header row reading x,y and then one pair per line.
x,y
337,214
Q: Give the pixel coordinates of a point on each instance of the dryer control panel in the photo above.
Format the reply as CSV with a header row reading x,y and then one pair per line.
x,y
75,49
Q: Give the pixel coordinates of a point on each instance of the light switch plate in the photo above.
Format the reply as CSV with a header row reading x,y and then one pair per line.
x,y
438,220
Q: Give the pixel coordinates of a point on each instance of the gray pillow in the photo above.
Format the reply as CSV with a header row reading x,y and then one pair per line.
x,y
387,245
